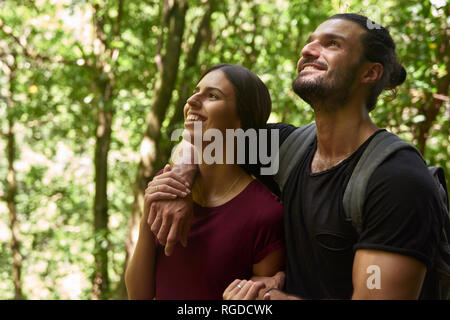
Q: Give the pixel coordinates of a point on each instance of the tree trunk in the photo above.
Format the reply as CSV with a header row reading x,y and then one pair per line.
x,y
175,21
11,192
103,136
431,111
104,83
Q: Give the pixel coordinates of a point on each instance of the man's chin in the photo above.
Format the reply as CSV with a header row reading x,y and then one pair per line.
x,y
309,82
306,89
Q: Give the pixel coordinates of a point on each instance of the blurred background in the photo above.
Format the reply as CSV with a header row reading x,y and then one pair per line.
x,y
90,92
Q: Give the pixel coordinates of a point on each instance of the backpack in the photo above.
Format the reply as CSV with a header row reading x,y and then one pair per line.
x,y
380,148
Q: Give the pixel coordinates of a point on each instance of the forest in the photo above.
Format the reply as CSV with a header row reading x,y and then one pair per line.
x,y
90,91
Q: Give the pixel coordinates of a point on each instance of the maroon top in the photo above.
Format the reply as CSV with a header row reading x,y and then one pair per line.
x,y
223,245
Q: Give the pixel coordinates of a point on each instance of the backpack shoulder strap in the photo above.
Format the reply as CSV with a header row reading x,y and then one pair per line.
x,y
439,177
292,150
379,149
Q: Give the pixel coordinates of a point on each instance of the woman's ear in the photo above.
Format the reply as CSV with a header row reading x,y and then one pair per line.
x,y
373,73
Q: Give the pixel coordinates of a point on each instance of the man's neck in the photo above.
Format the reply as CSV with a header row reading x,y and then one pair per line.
x,y
340,133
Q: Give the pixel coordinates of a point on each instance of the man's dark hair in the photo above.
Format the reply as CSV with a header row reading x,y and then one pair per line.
x,y
253,101
378,46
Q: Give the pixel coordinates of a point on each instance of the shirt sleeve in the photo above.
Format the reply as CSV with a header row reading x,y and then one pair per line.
x,y
269,229
284,130
255,169
401,211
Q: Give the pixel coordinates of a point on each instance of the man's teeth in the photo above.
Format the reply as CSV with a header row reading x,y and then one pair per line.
x,y
193,117
310,68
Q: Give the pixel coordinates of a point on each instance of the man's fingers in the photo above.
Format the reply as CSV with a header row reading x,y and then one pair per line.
x,y
164,229
167,168
281,277
172,237
253,291
184,230
152,214
156,224
147,204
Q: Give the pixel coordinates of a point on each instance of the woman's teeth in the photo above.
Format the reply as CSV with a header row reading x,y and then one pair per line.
x,y
193,117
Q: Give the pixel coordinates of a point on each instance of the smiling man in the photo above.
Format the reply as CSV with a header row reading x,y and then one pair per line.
x,y
343,68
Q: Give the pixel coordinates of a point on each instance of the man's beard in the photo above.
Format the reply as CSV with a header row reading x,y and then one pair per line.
x,y
326,91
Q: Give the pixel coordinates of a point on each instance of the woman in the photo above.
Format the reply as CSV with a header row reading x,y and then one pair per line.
x,y
237,231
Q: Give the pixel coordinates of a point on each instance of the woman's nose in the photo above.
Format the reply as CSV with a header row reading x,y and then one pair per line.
x,y
194,100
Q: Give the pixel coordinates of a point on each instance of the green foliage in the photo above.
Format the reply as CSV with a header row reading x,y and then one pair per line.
x,y
59,70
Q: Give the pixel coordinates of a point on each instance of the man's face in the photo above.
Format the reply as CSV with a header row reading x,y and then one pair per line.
x,y
330,62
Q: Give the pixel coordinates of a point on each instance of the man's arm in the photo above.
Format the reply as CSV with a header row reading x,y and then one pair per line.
x,y
376,275
170,220
400,232
385,275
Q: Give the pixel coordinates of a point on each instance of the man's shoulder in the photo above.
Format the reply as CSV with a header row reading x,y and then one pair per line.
x,y
284,129
404,172
406,165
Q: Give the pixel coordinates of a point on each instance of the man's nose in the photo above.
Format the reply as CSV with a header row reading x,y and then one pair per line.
x,y
311,50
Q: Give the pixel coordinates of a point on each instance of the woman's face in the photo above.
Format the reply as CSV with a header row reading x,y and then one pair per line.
x,y
213,104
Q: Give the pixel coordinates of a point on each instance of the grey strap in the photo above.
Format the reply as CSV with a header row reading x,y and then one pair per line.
x,y
292,150
380,147
439,178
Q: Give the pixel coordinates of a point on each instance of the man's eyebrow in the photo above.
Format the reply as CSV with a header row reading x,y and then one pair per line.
x,y
209,89
334,36
328,36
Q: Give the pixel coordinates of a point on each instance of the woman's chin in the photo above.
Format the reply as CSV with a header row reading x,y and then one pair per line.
x,y
191,136
187,134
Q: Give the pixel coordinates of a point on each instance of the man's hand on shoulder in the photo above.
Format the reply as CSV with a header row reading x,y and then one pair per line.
x,y
168,205
170,221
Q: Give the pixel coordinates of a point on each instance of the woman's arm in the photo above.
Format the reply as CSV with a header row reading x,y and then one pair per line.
x,y
265,275
270,265
140,274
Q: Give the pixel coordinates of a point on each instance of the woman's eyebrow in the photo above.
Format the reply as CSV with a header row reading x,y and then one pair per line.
x,y
209,89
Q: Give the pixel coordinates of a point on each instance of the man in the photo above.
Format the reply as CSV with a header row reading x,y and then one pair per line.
x,y
343,68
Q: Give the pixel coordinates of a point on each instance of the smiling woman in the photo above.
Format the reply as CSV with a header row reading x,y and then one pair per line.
x,y
213,104
237,227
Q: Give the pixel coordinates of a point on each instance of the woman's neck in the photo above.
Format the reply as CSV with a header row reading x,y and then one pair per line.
x,y
217,184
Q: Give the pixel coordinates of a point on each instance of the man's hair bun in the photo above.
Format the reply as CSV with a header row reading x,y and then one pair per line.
x,y
397,77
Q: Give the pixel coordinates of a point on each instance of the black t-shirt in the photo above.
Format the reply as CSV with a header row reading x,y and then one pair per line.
x,y
399,216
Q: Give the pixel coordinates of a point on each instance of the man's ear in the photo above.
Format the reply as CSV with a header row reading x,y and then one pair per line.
x,y
373,73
